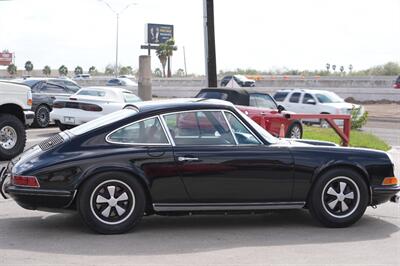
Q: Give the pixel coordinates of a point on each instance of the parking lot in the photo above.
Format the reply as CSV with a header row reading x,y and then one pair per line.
x,y
278,237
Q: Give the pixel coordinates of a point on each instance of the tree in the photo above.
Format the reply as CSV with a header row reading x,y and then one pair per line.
x,y
164,53
46,70
78,70
12,69
333,67
157,72
63,70
328,66
350,68
92,70
28,66
162,56
180,73
126,70
341,69
109,70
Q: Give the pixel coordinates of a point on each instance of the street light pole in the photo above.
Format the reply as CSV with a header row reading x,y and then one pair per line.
x,y
116,42
209,43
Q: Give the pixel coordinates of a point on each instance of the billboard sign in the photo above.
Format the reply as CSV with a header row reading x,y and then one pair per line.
x,y
6,58
158,33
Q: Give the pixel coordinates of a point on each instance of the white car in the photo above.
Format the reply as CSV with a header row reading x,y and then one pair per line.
x,y
315,102
90,103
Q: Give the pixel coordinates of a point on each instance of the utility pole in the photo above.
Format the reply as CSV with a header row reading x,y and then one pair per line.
x,y
184,60
209,43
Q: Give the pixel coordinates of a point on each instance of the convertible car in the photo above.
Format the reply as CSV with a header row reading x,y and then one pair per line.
x,y
143,161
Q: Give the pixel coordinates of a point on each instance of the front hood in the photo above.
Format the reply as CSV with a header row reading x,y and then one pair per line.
x,y
304,143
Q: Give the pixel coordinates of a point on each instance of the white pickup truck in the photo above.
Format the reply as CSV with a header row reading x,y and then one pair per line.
x,y
15,115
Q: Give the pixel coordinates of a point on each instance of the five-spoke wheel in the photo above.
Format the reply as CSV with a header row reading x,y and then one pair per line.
x,y
111,203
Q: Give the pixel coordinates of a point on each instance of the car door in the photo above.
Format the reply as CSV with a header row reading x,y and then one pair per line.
x,y
50,90
293,101
218,166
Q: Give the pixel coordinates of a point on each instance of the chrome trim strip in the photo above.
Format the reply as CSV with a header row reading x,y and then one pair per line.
x,y
163,207
139,144
251,132
166,130
230,127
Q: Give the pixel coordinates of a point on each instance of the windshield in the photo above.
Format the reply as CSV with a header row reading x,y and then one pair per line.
x,y
268,137
328,97
102,121
130,97
87,92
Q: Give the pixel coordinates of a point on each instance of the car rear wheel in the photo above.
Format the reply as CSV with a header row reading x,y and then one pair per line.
x,y
12,136
111,203
42,117
339,198
295,131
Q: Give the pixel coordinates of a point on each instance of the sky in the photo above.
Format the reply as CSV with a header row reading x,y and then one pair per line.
x,y
258,34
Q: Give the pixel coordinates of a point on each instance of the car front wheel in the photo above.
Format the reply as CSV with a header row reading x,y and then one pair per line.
x,y
111,203
42,117
339,198
12,136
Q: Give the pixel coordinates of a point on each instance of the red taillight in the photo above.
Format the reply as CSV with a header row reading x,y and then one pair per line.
x,y
25,181
90,107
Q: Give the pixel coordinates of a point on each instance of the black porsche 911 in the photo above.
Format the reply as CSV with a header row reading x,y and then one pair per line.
x,y
194,156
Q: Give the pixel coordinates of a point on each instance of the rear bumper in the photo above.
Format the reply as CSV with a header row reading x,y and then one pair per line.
x,y
41,199
78,116
382,194
29,116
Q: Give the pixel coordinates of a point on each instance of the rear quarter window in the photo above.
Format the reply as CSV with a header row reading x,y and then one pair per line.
x,y
280,96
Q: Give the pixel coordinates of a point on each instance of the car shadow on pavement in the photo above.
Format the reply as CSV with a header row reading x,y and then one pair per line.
x,y
65,234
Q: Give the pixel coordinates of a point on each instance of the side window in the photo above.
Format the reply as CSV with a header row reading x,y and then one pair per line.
x,y
253,100
295,97
307,97
147,131
36,87
199,128
280,96
72,87
51,88
264,101
242,134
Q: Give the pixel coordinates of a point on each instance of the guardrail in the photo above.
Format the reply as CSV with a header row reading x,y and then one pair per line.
x,y
344,133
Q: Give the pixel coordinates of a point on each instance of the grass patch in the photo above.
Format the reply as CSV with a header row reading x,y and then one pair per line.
x,y
357,138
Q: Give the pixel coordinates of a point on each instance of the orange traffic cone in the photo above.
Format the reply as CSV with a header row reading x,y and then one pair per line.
x,y
282,131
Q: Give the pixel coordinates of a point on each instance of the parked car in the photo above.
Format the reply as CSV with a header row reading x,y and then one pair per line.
x,y
396,84
90,103
121,82
135,162
44,91
15,114
241,80
260,107
82,77
315,102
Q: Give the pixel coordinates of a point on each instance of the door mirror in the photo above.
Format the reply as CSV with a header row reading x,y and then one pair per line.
x,y
281,108
311,101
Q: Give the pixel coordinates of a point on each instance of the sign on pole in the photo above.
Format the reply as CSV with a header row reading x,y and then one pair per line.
x,y
158,33
6,58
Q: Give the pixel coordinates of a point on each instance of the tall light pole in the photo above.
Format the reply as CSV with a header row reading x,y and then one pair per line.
x,y
116,41
209,43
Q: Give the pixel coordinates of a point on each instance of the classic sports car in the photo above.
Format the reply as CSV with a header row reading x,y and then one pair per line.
x,y
260,107
131,163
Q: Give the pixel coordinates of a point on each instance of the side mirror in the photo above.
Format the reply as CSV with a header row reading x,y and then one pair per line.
x,y
281,108
311,101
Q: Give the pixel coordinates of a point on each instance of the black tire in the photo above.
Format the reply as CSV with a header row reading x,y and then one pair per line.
x,y
323,123
328,194
42,116
13,127
295,131
94,202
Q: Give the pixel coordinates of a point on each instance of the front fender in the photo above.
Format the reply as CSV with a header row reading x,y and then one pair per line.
x,y
340,163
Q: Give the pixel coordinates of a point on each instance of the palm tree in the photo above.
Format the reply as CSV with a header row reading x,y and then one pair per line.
x,y
12,69
350,67
180,72
78,70
328,66
333,67
162,56
46,70
28,66
157,72
92,70
63,70
341,69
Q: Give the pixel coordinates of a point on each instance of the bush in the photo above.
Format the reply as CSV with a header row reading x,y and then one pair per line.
x,y
358,120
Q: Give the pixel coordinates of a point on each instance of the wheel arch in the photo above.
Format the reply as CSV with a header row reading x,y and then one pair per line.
x,y
13,109
342,165
121,169
43,104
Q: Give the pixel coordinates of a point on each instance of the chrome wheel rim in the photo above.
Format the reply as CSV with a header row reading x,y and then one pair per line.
x,y
43,116
340,197
9,137
324,124
295,132
112,202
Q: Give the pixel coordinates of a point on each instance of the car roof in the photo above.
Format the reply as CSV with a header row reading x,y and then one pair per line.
x,y
182,104
302,90
106,88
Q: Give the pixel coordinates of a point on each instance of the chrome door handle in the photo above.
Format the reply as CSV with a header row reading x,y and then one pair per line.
x,y
263,113
187,159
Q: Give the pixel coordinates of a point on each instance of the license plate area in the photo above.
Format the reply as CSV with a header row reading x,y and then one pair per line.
x,y
69,120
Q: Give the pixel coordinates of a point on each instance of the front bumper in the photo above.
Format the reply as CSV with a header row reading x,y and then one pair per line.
x,y
41,199
382,194
29,116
